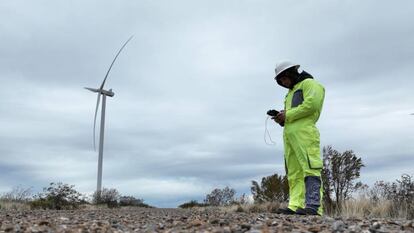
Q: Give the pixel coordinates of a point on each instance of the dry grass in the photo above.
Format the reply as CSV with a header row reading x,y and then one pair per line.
x,y
361,207
365,208
12,205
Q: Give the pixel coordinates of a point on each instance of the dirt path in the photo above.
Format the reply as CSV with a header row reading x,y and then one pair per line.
x,y
178,220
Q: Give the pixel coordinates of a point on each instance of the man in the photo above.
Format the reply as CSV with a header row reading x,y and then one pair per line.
x,y
303,106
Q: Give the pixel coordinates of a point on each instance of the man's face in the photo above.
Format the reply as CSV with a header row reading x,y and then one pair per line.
x,y
286,81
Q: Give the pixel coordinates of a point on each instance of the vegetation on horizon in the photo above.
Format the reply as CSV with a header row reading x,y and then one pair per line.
x,y
60,196
344,195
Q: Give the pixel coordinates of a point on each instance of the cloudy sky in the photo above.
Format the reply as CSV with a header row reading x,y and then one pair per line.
x,y
192,89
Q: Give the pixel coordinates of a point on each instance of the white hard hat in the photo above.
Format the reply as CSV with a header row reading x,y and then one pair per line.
x,y
284,65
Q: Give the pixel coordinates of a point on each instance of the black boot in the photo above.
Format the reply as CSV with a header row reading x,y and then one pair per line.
x,y
307,211
286,211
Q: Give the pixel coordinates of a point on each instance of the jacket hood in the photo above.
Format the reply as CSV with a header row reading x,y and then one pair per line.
x,y
302,76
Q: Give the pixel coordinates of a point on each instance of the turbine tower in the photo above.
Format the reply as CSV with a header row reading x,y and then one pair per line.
x,y
104,93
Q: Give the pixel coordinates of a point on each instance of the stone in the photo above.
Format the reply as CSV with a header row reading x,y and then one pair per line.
x,y
215,221
223,222
354,229
254,231
63,219
43,223
196,223
246,226
338,226
315,229
376,225
408,224
7,228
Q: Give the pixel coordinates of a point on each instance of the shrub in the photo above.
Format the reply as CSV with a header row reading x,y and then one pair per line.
x,y
273,188
110,197
41,203
242,200
400,193
220,197
192,204
338,176
58,196
17,194
132,201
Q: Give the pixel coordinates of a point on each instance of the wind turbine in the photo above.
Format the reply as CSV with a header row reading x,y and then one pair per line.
x,y
104,94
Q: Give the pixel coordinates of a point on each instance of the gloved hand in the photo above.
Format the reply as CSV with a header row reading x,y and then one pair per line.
x,y
280,118
274,114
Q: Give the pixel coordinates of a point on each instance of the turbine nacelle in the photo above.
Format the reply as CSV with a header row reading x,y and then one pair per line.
x,y
101,91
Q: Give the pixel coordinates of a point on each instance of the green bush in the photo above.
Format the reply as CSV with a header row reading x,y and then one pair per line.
x,y
273,188
339,176
132,201
221,197
110,197
57,196
191,204
41,203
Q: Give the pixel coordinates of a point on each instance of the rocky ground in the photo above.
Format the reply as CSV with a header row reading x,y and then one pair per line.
x,y
178,220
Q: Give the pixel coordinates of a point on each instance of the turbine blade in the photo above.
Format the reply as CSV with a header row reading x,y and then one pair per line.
x,y
94,121
110,67
92,89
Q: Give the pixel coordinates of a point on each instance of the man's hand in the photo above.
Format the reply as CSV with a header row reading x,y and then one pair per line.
x,y
280,118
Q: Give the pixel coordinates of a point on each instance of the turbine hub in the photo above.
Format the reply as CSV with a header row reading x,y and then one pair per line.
x,y
109,92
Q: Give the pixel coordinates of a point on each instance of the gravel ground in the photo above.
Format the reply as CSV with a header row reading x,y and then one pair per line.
x,y
178,220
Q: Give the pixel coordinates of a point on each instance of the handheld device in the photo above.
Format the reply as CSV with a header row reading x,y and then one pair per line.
x,y
273,113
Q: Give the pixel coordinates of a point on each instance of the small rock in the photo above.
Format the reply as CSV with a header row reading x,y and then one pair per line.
x,y
223,222
338,226
7,228
215,221
63,219
260,219
150,228
43,223
408,225
196,223
35,229
328,219
17,228
246,226
315,229
376,225
227,229
354,229
254,231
